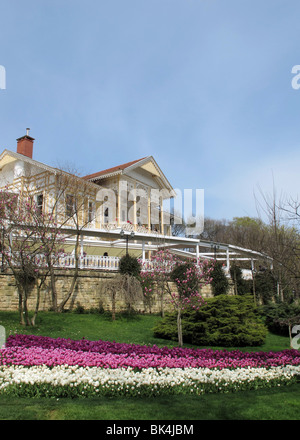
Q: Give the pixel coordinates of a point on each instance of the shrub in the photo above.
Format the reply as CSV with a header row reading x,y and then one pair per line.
x,y
242,286
275,313
229,321
130,266
79,309
220,283
265,286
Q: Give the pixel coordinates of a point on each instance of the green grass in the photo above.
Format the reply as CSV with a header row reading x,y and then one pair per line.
x,y
271,404
134,329
266,404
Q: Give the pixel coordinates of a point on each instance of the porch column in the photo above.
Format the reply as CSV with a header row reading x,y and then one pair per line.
x,y
119,201
197,253
143,251
134,207
161,215
149,210
227,260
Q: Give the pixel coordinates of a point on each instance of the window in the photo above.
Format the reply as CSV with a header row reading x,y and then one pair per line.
x,y
39,203
91,212
70,205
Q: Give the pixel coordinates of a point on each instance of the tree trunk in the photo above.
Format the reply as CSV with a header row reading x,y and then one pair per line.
x,y
179,327
60,308
113,307
75,276
53,286
21,316
25,307
235,282
162,311
161,295
290,335
254,291
37,304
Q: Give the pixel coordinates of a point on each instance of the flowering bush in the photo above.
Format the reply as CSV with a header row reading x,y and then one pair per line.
x,y
147,284
42,366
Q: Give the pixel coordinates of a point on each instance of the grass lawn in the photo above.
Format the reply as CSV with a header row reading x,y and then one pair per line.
x,y
272,404
266,404
134,329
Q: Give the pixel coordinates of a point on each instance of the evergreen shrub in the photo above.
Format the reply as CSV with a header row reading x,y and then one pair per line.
x,y
274,313
130,266
241,285
220,283
265,286
228,321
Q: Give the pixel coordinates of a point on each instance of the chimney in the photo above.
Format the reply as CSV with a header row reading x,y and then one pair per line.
x,y
25,144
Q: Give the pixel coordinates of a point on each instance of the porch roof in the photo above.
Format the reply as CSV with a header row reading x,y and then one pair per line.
x,y
139,237
180,245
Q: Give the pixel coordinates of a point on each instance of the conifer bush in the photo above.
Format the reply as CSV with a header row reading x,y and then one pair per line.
x,y
227,321
219,283
130,266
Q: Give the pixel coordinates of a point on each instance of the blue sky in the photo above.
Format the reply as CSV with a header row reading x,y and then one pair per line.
x,y
202,85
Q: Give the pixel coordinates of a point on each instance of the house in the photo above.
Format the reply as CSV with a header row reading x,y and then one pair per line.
x,y
113,211
117,210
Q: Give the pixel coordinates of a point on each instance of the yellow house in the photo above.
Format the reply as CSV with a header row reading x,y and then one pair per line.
x,y
116,210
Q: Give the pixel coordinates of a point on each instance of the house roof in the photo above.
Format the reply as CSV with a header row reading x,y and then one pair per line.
x,y
111,170
146,163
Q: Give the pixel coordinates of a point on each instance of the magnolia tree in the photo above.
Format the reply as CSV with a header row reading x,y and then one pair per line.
x,y
30,245
167,270
74,211
157,272
33,234
147,282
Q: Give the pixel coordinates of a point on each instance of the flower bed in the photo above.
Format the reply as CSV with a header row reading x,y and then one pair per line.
x,y
41,366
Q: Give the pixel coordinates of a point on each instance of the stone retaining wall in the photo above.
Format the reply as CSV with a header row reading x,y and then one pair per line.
x,y
89,293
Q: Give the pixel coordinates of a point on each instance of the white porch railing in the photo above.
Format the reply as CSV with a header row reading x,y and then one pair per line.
x,y
89,262
96,262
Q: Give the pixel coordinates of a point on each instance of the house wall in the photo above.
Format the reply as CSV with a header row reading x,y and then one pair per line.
x,y
21,176
89,293
7,175
12,172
